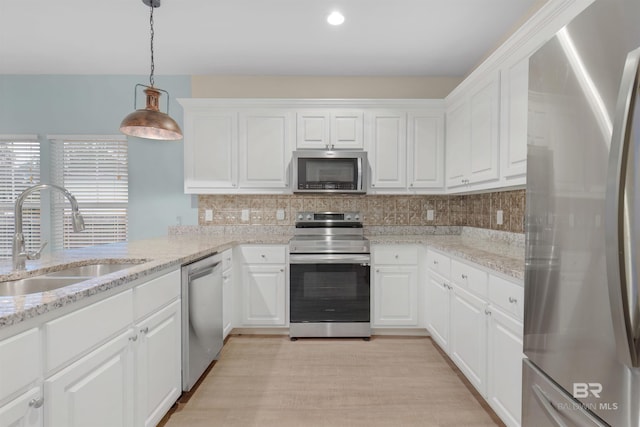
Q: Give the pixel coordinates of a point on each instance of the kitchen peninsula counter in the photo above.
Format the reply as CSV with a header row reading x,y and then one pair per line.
x,y
505,255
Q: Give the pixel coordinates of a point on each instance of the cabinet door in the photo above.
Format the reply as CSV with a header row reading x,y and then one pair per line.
x,y
227,302
438,310
468,345
24,411
484,132
313,130
265,148
513,123
458,144
388,150
96,391
210,150
158,364
425,149
395,296
263,291
505,367
346,130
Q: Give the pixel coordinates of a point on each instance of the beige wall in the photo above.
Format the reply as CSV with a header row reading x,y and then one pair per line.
x,y
215,86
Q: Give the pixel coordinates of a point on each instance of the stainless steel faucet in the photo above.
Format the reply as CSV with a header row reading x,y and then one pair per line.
x,y
20,254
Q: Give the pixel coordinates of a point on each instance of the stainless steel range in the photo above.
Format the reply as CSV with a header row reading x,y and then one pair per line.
x,y
329,276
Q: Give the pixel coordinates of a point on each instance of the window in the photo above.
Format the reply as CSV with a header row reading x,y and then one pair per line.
x,y
95,170
19,169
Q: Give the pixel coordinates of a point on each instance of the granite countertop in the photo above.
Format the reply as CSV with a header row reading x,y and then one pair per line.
x,y
154,255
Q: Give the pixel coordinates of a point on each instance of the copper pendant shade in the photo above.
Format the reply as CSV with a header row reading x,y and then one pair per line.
x,y
150,122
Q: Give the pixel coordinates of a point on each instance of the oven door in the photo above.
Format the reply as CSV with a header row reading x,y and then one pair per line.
x,y
329,288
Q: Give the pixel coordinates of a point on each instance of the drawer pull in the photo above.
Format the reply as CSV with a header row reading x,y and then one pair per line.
x,y
487,312
263,256
133,338
36,403
435,262
464,276
145,330
513,300
397,256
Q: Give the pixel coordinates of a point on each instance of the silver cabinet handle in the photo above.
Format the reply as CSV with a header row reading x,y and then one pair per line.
x,y
397,256
411,185
377,270
225,277
487,312
36,403
282,270
513,300
464,276
435,262
263,256
133,338
145,330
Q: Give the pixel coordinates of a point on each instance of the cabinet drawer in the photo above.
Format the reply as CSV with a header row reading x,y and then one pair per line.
x,y
394,254
439,263
469,277
156,293
507,295
227,260
263,254
19,361
77,332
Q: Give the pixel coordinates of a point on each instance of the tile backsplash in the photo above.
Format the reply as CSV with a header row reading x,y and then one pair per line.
x,y
473,210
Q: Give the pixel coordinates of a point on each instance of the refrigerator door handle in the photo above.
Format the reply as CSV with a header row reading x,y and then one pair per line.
x,y
548,407
619,221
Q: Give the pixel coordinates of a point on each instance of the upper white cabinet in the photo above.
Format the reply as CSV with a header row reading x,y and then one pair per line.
x,y
388,149
265,148
473,136
330,129
425,150
513,120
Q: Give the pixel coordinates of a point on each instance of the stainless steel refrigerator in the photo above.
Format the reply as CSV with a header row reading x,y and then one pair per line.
x,y
582,301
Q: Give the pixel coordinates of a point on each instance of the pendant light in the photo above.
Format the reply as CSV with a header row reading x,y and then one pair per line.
x,y
150,122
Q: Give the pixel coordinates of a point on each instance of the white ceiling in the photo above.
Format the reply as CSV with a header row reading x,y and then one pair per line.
x,y
254,37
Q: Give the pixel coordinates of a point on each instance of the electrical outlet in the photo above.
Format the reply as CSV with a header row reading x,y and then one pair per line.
x,y
245,215
430,214
208,215
280,214
499,217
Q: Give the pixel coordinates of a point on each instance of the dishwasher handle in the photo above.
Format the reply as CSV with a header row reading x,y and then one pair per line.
x,y
203,271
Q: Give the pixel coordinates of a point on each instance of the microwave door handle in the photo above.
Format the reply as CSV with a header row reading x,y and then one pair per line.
x,y
620,218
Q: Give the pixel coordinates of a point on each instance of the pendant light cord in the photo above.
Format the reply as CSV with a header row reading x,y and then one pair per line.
x,y
151,81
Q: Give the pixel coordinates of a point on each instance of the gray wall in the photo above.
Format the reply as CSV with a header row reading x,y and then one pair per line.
x,y
57,104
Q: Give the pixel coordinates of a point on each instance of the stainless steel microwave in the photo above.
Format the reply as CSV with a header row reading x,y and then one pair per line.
x,y
320,171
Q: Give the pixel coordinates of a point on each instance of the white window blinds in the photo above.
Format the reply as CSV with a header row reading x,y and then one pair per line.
x,y
19,169
95,170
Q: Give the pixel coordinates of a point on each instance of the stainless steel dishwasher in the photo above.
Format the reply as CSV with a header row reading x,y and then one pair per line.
x,y
202,326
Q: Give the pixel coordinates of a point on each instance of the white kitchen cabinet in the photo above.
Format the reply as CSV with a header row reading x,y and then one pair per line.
x,y
263,278
395,286
468,340
458,144
504,392
473,136
329,129
387,150
514,105
20,359
97,390
265,148
158,364
227,292
425,150
438,310
24,411
210,149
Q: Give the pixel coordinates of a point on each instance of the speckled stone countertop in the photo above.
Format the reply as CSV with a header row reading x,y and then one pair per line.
x,y
153,255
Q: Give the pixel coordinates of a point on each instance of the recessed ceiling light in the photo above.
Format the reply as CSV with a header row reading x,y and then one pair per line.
x,y
335,18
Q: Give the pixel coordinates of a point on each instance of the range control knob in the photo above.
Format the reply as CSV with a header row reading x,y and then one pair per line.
x,y
348,217
300,217
357,217
309,217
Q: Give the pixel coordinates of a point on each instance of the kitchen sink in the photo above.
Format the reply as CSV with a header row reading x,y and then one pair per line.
x,y
59,279
36,284
91,270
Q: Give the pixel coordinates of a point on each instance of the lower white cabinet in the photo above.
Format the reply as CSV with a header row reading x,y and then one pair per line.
x,y
468,343
438,309
97,390
23,411
504,392
227,293
263,278
158,364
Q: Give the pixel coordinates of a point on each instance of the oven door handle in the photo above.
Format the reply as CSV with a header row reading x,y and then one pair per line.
x,y
329,259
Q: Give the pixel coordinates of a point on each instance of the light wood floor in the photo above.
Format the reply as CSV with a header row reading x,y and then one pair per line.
x,y
388,381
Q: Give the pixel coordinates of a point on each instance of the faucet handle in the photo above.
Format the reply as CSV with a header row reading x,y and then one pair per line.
x,y
36,254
